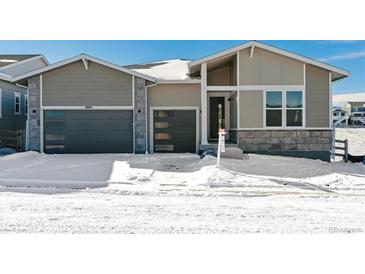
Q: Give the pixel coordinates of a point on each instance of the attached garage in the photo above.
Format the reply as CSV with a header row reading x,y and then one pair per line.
x,y
174,130
88,131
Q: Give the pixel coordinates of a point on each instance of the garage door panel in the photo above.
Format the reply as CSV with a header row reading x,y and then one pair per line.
x,y
175,131
108,131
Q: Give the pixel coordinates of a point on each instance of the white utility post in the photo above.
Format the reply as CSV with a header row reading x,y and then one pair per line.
x,y
221,145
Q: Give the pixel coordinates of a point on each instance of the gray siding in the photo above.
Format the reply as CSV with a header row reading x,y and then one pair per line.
x,y
10,120
73,85
24,67
317,97
251,109
267,68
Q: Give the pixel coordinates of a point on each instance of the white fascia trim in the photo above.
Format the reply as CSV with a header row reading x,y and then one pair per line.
x,y
25,61
190,81
254,87
197,126
5,77
81,57
88,107
289,128
272,49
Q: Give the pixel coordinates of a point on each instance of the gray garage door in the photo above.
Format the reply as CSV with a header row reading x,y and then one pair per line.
x,y
92,131
174,131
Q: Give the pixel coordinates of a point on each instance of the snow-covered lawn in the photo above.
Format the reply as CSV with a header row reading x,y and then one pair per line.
x,y
356,138
178,193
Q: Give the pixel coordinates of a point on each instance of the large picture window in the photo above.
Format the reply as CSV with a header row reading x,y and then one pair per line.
x,y
284,109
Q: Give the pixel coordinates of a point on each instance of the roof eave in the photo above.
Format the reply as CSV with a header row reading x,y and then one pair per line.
x,y
79,58
289,54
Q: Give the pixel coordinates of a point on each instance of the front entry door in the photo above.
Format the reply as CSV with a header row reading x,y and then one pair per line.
x,y
216,105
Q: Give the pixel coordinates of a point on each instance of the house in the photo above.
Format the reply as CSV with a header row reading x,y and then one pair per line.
x,y
13,97
268,100
352,113
340,116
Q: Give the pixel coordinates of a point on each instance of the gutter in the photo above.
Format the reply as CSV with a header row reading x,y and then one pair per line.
x,y
146,105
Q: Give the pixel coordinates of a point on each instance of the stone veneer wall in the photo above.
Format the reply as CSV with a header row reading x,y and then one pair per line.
x,y
34,113
140,118
292,142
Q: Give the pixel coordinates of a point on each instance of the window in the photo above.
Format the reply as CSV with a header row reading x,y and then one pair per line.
x,y
164,113
162,136
17,103
274,108
26,104
55,137
284,109
164,147
294,109
161,124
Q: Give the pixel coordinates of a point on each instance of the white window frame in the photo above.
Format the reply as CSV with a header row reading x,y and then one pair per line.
x,y
26,104
17,95
284,109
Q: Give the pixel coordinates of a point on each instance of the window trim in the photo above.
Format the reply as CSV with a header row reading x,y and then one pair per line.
x,y
17,95
284,109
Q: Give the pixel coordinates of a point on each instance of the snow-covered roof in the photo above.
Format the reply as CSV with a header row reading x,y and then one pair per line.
x,y
341,99
175,69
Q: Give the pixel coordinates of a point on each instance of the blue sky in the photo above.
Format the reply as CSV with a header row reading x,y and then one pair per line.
x,y
349,55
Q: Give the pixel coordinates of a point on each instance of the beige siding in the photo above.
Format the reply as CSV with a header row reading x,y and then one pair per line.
x,y
317,97
251,109
174,95
73,85
267,68
233,110
220,77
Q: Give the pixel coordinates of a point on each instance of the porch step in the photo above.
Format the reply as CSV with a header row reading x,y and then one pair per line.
x,y
232,150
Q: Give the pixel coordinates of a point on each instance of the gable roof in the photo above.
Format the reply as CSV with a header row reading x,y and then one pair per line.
x,y
5,77
165,70
82,57
339,73
11,59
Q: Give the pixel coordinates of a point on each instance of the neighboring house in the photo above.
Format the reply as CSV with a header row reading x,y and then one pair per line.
x,y
339,116
269,101
13,97
352,113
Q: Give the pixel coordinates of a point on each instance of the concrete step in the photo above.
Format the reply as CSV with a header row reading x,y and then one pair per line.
x,y
233,153
232,150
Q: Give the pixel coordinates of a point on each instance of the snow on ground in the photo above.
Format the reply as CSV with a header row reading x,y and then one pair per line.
x,y
178,193
356,137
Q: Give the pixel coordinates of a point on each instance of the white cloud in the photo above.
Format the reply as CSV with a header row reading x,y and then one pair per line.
x,y
344,56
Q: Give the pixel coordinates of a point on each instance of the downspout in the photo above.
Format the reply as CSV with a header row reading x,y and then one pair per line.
x,y
147,112
27,121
